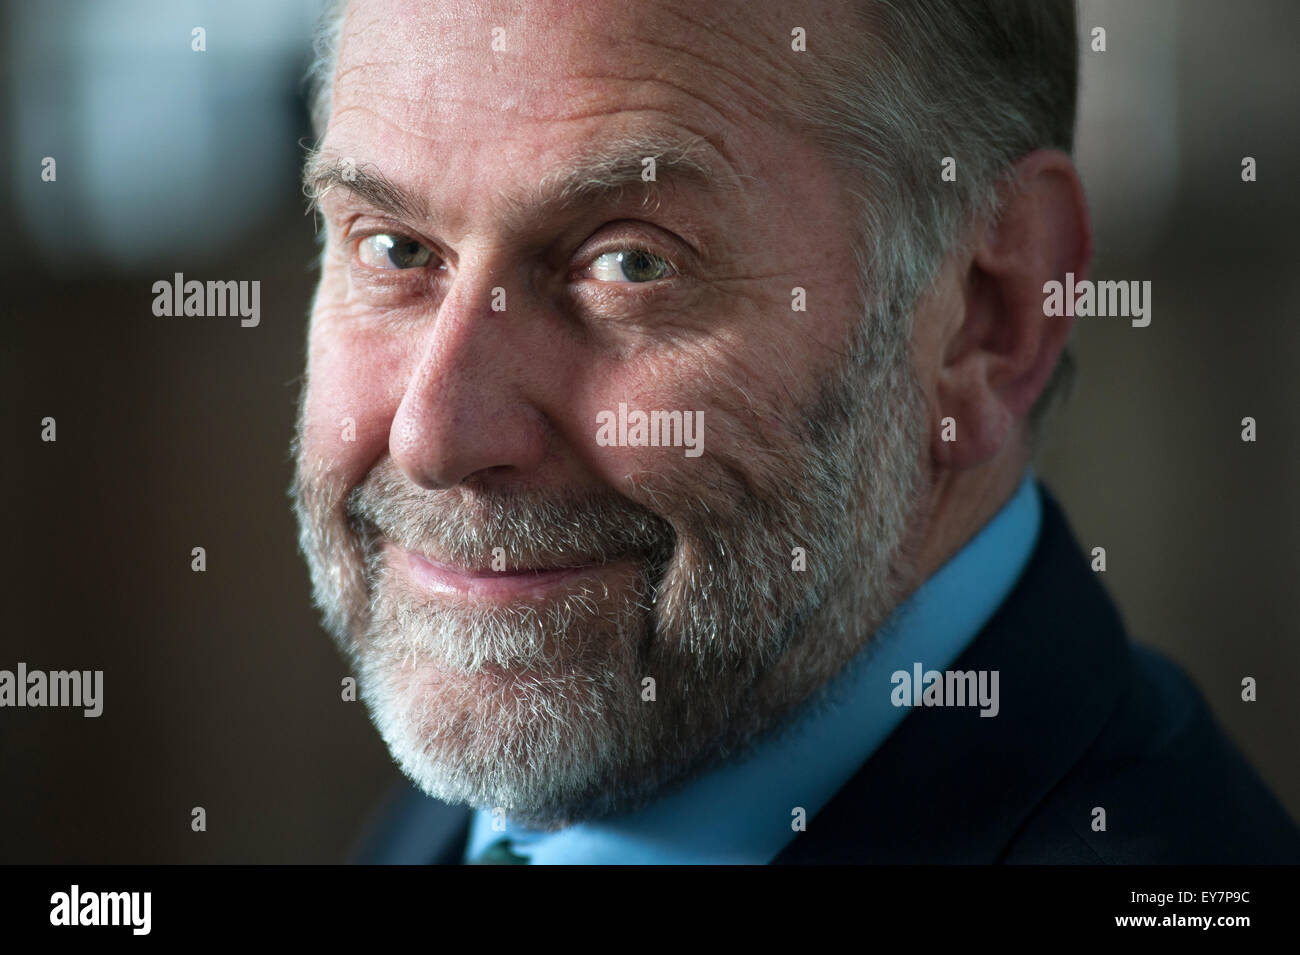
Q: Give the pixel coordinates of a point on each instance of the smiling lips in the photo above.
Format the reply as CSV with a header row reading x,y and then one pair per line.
x,y
504,585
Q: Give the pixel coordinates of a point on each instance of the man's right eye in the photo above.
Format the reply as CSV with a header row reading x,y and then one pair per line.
x,y
388,251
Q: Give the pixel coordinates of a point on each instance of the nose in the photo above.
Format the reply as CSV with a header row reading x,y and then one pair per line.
x,y
465,412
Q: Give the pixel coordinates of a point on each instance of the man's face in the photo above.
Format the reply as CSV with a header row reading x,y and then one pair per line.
x,y
546,613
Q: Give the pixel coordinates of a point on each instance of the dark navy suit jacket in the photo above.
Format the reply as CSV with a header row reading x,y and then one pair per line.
x,y
1087,720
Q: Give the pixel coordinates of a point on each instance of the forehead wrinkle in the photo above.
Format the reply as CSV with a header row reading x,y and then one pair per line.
x,y
676,56
710,136
769,47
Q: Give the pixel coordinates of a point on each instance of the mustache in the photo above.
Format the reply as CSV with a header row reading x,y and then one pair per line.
x,y
530,528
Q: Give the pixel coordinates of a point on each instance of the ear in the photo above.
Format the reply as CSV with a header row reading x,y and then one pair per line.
x,y
999,352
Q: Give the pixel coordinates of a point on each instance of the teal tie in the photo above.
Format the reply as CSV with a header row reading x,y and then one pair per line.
x,y
499,853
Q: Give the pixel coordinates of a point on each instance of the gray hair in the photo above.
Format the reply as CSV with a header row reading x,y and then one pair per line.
x,y
320,75
982,81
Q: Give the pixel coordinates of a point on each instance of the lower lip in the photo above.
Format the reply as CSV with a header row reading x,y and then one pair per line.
x,y
441,579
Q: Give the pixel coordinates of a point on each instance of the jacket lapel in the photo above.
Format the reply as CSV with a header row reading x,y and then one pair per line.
x,y
413,829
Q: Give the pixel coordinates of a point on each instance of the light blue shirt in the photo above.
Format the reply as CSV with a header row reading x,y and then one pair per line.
x,y
742,812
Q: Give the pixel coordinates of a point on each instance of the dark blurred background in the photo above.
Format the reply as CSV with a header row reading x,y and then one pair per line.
x,y
221,690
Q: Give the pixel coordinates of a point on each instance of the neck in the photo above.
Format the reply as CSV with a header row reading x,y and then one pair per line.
x,y
960,502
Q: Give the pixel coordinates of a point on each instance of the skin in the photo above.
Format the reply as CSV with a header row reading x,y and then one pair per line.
x,y
465,398
457,393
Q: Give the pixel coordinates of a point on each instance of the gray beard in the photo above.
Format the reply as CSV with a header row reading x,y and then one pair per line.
x,y
542,711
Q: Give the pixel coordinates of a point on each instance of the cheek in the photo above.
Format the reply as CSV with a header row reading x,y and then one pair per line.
x,y
349,405
734,421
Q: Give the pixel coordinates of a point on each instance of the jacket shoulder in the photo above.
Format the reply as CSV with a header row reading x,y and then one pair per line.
x,y
1173,788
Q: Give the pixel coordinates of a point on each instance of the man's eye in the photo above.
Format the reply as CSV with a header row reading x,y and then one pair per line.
x,y
630,265
386,251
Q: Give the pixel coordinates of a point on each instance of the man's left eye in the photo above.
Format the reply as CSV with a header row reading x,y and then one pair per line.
x,y
630,265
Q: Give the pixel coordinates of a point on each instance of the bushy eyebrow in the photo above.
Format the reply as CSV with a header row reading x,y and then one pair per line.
x,y
324,171
595,174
